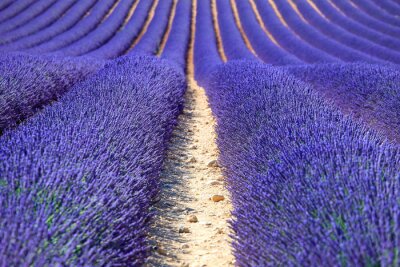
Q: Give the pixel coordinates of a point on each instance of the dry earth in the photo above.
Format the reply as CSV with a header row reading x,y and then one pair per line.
x,y
190,178
191,227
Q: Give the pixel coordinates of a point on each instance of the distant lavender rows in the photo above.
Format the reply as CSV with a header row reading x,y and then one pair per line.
x,y
328,31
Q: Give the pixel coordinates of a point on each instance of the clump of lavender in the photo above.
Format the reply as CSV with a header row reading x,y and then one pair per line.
x,y
370,93
27,83
310,187
77,180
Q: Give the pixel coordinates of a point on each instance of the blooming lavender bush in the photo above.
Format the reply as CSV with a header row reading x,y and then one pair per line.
x,y
370,93
77,180
310,187
27,83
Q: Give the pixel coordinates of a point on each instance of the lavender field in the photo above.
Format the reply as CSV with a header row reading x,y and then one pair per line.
x,y
199,133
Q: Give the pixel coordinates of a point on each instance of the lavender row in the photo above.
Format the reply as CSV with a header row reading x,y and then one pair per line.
x,y
315,38
206,56
4,5
369,93
309,186
81,29
288,40
24,17
343,37
150,42
78,179
388,6
30,82
101,34
178,39
356,28
369,7
266,49
232,40
39,22
14,8
124,38
354,13
66,22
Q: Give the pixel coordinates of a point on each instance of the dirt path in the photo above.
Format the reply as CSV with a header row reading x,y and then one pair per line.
x,y
191,227
189,183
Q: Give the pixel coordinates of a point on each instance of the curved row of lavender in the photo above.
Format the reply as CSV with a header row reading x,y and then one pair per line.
x,y
29,82
79,178
314,181
310,187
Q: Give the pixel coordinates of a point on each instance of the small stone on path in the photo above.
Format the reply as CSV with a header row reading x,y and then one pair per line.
x,y
217,198
214,183
184,229
213,163
192,218
162,251
220,230
208,224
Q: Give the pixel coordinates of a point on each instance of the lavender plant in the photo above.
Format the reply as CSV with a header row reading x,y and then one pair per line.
x,y
77,180
151,39
265,46
310,187
27,83
178,39
369,93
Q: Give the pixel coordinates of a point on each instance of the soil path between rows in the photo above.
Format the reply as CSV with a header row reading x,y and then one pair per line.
x,y
189,181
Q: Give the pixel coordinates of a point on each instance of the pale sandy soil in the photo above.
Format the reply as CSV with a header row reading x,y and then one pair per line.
x,y
188,185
